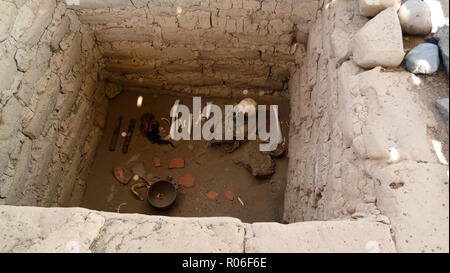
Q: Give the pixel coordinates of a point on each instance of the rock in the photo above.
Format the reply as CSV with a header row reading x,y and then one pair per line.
x,y
379,42
415,17
373,7
442,106
44,109
258,163
112,90
441,39
423,59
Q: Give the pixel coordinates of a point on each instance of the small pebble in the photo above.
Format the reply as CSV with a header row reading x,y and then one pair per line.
x,y
212,195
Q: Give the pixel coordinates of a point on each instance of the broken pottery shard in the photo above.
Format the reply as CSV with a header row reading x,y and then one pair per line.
x,y
373,7
187,181
212,195
156,161
229,195
176,163
258,163
379,42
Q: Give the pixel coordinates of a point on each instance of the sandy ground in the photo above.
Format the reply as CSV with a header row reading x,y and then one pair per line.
x,y
212,168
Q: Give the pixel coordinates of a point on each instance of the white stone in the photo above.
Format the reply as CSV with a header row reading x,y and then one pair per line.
x,y
373,7
415,17
8,14
439,13
379,42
